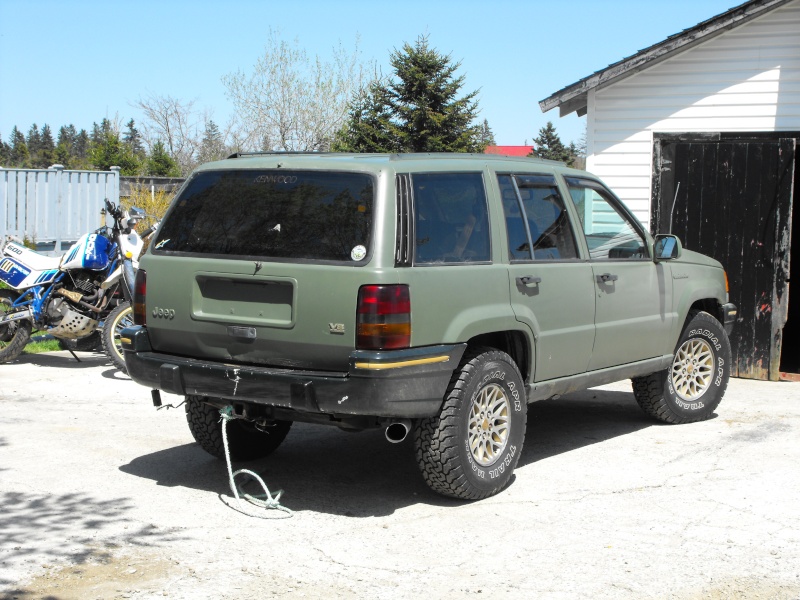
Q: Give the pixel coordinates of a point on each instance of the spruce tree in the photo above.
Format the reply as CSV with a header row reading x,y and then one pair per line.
x,y
160,163
419,109
19,155
34,142
110,151
424,96
5,153
369,126
133,139
486,136
212,146
549,145
47,149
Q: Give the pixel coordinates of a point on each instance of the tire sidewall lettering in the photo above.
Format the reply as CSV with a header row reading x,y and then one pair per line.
x,y
719,378
504,465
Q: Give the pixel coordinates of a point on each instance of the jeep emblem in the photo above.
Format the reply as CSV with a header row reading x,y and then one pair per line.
x,y
163,313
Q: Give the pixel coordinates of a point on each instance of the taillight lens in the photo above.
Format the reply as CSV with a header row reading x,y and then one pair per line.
x,y
383,319
139,294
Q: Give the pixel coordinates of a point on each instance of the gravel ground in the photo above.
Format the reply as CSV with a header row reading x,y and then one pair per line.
x,y
102,496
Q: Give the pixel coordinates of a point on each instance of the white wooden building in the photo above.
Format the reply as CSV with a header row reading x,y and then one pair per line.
x,y
697,134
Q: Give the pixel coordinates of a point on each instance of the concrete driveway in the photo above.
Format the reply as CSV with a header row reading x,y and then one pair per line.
x,y
102,496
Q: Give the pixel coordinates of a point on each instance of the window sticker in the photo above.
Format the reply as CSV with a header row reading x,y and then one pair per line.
x,y
358,253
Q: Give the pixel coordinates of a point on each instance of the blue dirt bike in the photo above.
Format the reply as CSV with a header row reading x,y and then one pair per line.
x,y
68,296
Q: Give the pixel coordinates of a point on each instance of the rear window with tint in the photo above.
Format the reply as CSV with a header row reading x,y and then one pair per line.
x,y
276,214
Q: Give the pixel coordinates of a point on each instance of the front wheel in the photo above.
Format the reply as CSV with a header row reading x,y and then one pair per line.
x,y
692,388
119,318
470,449
14,335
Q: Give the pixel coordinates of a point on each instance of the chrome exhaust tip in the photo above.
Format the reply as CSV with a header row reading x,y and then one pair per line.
x,y
396,432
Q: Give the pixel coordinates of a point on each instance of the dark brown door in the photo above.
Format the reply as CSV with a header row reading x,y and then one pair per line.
x,y
732,199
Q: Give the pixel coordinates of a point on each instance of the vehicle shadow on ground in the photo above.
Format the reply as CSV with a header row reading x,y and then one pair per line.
x,y
580,419
64,360
322,469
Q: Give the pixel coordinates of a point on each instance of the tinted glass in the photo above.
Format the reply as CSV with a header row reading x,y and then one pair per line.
x,y
450,218
272,214
535,207
610,233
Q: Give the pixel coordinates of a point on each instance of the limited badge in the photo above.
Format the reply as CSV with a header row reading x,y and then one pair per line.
x,y
358,253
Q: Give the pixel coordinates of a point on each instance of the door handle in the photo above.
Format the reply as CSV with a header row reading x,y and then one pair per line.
x,y
606,277
529,279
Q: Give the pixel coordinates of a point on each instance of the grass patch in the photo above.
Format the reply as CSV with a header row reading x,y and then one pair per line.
x,y
40,343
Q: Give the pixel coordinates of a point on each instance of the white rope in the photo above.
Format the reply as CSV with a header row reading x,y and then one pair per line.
x,y
265,500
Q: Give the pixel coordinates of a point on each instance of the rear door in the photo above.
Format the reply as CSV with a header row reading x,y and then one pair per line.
x,y
551,287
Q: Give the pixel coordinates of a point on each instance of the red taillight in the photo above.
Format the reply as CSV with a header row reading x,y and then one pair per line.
x,y
139,294
383,317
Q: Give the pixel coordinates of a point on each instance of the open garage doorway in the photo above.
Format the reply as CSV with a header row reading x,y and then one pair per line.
x,y
730,196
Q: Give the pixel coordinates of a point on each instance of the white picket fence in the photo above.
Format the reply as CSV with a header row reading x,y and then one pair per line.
x,y
54,207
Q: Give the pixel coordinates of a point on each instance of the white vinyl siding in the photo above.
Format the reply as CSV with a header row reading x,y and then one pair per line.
x,y
747,79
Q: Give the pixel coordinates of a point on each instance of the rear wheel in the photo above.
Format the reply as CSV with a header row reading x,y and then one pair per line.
x,y
470,449
245,440
119,318
692,388
14,336
90,343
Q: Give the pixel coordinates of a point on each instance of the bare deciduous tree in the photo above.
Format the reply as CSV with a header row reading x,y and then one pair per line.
x,y
290,101
176,124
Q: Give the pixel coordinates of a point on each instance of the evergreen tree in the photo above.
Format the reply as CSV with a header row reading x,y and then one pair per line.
x,y
19,155
418,110
548,145
486,135
133,139
80,150
5,153
424,96
212,146
34,142
109,151
64,146
369,126
47,149
160,163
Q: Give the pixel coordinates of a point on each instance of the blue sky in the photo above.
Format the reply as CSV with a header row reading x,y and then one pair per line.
x,y
78,61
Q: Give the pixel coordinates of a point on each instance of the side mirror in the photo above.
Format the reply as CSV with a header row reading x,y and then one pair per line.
x,y
667,247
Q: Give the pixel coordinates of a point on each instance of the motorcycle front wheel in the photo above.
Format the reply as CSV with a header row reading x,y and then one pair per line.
x,y
14,336
120,318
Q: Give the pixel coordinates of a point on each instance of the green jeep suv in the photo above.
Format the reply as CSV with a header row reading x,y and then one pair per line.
x,y
430,294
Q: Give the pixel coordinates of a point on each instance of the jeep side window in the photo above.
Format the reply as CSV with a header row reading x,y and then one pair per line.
x,y
451,222
536,220
611,234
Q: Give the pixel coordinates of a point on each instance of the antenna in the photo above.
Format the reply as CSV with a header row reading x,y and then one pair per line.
x,y
674,202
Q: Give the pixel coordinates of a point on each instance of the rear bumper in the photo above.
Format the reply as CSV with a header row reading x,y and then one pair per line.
x,y
396,384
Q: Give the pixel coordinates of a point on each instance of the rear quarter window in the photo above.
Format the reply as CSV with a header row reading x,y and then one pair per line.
x,y
451,221
274,214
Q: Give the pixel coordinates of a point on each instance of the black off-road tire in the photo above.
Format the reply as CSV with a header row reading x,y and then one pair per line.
x,y
451,448
119,318
245,442
90,343
692,388
14,336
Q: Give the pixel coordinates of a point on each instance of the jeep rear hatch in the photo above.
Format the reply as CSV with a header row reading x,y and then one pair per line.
x,y
256,267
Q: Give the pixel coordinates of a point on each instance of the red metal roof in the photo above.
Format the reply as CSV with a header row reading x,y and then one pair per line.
x,y
509,150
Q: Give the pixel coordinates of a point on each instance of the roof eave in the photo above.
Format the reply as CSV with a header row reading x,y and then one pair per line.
x,y
574,98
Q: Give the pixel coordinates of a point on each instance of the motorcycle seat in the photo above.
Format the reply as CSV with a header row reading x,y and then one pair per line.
x,y
34,260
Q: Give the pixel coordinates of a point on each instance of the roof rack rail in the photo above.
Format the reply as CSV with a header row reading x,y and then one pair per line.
x,y
277,153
